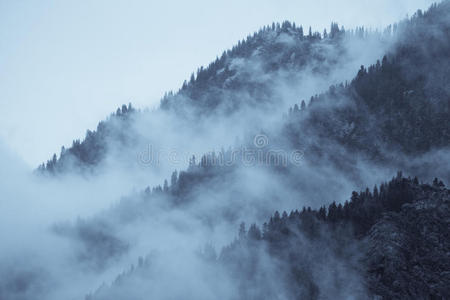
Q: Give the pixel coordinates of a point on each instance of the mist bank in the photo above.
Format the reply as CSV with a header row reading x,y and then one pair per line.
x,y
361,249
115,197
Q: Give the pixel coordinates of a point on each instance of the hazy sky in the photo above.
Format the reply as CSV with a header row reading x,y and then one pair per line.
x,y
65,65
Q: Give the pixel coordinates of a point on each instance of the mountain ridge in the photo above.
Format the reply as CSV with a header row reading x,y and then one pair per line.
x,y
221,87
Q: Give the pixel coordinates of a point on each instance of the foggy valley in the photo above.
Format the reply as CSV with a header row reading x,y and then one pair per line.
x,y
302,163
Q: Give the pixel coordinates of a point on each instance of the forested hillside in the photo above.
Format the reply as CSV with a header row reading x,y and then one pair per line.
x,y
390,242
276,133
399,104
262,75
374,245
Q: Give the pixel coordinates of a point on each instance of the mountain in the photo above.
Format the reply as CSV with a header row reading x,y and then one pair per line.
x,y
93,149
389,243
400,104
390,116
397,105
242,75
262,74
374,103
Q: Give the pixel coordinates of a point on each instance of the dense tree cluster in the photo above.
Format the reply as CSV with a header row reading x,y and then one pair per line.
x,y
399,103
361,212
93,149
375,244
277,47
351,233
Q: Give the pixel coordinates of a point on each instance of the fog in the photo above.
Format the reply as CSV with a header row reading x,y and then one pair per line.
x,y
106,234
54,254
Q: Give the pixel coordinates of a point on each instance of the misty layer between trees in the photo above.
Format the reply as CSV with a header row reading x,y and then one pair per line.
x,y
244,183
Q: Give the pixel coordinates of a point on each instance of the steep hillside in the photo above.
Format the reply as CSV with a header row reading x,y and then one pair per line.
x,y
343,139
401,104
243,75
391,242
115,132
261,76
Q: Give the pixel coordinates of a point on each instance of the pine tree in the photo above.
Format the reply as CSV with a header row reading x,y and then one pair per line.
x,y
242,231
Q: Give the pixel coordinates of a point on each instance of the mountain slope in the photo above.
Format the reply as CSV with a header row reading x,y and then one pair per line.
x,y
261,76
390,243
342,140
401,104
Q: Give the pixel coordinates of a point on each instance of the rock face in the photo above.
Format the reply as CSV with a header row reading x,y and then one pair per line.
x,y
409,251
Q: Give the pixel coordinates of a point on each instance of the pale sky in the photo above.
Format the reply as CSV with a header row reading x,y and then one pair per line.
x,y
65,65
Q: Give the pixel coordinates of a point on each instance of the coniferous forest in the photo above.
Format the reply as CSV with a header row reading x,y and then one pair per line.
x,y
297,165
